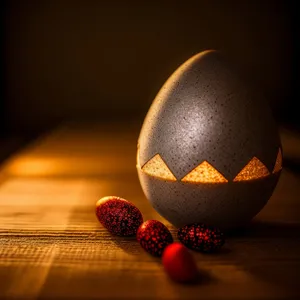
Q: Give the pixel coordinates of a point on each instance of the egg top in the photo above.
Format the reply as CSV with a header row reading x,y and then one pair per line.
x,y
205,113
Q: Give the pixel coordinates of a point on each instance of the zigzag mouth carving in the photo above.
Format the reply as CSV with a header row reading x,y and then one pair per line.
x,y
206,173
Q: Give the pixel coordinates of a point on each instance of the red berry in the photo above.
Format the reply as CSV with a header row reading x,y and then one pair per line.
x,y
118,216
201,237
179,263
154,236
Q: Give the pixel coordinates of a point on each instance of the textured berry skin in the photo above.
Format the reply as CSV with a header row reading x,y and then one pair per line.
x,y
118,216
179,263
201,237
154,236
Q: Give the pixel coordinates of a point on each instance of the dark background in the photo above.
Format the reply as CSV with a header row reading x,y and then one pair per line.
x,y
106,60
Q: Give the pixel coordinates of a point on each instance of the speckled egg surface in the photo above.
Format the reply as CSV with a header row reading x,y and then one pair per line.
x,y
209,149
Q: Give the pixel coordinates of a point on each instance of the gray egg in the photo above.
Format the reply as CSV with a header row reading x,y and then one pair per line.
x,y
209,149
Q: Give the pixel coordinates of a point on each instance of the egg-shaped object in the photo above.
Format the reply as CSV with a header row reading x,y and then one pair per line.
x,y
118,216
209,150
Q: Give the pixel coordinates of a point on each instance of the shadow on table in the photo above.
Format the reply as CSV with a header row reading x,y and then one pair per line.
x,y
131,246
267,230
268,251
292,164
128,244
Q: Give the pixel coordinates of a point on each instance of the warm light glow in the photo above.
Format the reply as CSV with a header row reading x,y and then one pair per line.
x,y
138,156
204,173
157,167
255,169
278,163
33,166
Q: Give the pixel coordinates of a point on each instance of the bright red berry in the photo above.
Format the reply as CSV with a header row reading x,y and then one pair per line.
x,y
201,237
179,263
154,236
118,216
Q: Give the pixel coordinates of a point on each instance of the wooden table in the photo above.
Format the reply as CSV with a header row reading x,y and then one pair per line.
x,y
51,244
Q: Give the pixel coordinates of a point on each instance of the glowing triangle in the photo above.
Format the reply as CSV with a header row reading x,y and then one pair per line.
x,y
204,173
138,156
157,167
255,169
278,163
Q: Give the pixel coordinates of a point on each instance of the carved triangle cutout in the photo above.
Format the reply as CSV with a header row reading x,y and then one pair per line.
x,y
157,167
278,163
204,173
255,169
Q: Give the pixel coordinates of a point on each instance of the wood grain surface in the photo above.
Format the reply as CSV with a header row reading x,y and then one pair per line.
x,y
52,246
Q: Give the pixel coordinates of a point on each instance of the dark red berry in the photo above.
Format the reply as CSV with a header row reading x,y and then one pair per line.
x,y
179,263
118,216
201,237
154,236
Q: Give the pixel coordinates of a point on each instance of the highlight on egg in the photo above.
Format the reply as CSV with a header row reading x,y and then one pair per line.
x,y
209,149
